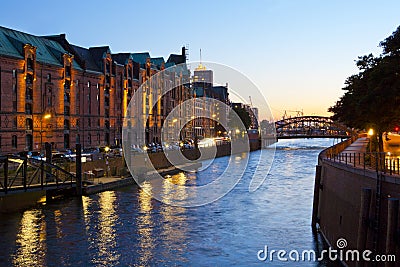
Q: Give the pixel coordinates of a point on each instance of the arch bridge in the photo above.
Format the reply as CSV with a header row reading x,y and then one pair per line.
x,y
311,127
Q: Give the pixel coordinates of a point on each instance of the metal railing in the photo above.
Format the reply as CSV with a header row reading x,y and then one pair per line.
x,y
18,173
379,161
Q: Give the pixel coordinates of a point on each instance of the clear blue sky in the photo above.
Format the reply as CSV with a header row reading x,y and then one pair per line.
x,y
297,52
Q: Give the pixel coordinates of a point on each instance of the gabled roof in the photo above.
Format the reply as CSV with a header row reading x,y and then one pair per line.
x,y
177,59
141,58
157,61
121,58
99,52
47,51
86,57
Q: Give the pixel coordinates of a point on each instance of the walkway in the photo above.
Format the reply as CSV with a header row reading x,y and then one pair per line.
x,y
359,146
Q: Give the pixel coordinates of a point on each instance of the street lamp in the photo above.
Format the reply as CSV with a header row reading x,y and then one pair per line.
x,y
370,134
44,117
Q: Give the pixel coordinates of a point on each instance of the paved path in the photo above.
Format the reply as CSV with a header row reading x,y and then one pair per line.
x,y
359,146
354,153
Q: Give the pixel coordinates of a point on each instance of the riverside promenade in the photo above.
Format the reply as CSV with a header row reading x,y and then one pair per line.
x,y
365,192
358,146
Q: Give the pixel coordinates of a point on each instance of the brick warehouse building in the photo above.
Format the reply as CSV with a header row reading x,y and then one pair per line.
x,y
56,92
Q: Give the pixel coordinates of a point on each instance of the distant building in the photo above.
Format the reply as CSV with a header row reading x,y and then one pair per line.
x,y
209,117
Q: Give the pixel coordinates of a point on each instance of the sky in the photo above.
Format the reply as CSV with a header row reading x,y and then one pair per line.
x,y
297,52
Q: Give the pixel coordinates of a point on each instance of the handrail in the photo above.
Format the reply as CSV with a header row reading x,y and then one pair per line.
x,y
377,161
25,173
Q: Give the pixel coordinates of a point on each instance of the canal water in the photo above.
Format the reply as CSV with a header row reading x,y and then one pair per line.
x,y
127,227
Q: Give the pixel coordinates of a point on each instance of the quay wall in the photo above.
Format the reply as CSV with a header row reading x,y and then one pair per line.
x,y
342,208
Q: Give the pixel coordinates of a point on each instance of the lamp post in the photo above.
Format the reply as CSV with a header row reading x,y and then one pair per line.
x,y
44,117
370,134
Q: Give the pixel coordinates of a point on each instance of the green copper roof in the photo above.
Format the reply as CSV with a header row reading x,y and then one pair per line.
x,y
140,57
158,61
47,51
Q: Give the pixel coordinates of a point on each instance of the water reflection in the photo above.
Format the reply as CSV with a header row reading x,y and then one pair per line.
x,y
127,227
30,242
145,225
58,223
174,218
106,236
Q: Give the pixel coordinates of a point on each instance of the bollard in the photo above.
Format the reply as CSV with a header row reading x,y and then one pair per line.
x,y
78,170
363,218
393,207
318,174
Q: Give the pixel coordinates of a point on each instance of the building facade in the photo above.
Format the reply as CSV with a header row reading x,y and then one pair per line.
x,y
56,92
210,115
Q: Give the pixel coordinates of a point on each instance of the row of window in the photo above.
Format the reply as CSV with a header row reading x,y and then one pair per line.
x,y
14,140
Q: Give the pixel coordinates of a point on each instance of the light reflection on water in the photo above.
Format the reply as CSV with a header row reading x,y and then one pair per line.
x,y
129,227
145,226
30,240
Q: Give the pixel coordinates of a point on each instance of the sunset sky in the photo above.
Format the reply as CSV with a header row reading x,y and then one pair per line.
x,y
298,53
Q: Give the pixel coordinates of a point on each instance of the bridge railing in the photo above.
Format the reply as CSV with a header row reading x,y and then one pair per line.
x,y
17,173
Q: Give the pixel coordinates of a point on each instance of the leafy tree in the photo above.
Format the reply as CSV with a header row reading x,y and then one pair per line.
x,y
243,115
372,97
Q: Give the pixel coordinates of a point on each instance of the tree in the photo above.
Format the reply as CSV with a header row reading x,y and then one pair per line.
x,y
391,45
243,115
372,97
